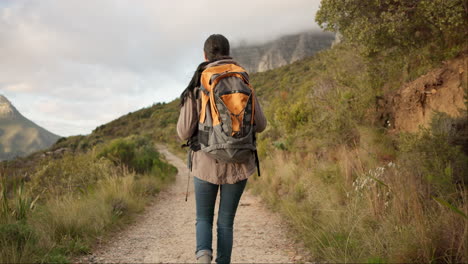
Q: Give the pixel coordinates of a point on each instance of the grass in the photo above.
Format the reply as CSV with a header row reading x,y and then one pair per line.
x,y
73,201
354,191
345,212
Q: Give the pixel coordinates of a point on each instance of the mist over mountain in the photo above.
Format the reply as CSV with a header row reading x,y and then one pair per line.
x,y
20,136
282,51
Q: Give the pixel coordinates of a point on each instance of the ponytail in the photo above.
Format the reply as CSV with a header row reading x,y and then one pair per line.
x,y
195,82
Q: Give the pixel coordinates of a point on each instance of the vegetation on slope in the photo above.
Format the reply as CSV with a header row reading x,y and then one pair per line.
x,y
354,189
83,186
156,123
398,25
56,203
69,202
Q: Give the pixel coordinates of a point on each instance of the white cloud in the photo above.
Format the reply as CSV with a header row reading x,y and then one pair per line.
x,y
19,87
73,65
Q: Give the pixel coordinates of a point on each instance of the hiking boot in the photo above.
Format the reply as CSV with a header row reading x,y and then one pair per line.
x,y
204,256
204,259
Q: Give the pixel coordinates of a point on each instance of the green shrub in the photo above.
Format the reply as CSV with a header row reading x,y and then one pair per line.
x,y
145,158
119,151
137,154
73,173
432,156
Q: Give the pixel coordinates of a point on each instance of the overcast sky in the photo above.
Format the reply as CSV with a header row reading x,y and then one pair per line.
x,y
72,65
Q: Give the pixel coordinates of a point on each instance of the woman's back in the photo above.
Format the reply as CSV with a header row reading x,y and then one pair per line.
x,y
204,166
210,174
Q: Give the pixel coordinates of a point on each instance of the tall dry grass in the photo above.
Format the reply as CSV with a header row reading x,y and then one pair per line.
x,y
72,202
369,203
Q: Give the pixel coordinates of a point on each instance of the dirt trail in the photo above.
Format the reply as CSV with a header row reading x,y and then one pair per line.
x,y
165,232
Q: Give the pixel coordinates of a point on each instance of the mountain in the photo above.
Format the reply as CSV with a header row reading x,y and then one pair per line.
x,y
20,136
282,51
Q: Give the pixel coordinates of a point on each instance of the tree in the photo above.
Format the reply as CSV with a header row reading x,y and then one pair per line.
x,y
403,24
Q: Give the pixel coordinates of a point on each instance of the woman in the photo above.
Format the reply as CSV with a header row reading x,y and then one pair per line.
x,y
210,174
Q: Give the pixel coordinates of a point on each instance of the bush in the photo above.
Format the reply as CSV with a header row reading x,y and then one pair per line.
x,y
119,151
145,158
431,155
73,173
137,154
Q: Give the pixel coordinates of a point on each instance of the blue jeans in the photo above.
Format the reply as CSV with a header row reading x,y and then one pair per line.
x,y
205,197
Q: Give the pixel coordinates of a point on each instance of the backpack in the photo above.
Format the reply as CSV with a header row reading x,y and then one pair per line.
x,y
226,128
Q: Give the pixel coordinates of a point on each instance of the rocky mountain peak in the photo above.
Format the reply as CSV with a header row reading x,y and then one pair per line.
x,y
282,51
6,108
20,136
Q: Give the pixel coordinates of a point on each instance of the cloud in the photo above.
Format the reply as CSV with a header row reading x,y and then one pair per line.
x,y
123,54
19,87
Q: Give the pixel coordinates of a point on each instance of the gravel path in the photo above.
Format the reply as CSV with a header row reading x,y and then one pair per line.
x,y
165,232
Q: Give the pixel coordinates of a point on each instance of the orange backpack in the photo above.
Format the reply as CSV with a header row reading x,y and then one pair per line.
x,y
226,129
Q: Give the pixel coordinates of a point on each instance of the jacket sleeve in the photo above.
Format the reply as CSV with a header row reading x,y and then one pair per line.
x,y
187,122
260,119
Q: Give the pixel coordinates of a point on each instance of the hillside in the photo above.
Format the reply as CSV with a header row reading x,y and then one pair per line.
x,y
20,136
341,176
365,154
59,202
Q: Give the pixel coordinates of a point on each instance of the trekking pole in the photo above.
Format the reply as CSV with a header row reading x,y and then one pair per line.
x,y
188,182
189,166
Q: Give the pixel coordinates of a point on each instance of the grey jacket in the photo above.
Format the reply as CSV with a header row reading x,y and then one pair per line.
x,y
203,166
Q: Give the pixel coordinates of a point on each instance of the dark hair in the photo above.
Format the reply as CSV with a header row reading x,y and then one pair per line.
x,y
216,47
